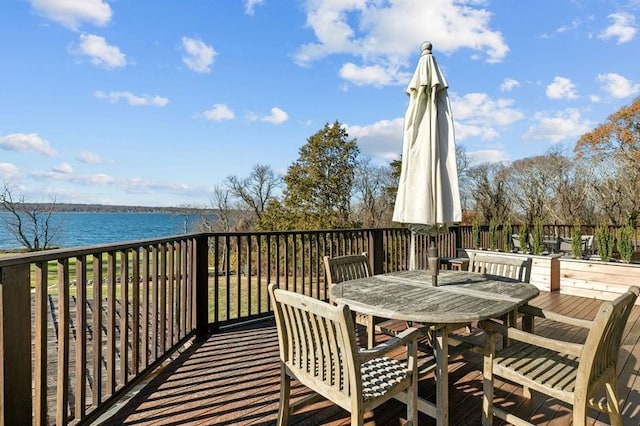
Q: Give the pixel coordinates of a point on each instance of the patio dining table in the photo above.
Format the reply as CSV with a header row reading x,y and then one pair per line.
x,y
460,298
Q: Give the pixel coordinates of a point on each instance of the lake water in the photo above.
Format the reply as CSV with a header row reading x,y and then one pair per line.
x,y
76,229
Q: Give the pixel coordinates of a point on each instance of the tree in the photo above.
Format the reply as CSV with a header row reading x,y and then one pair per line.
x,y
613,150
463,166
31,224
319,183
373,207
226,216
551,187
489,191
618,136
256,190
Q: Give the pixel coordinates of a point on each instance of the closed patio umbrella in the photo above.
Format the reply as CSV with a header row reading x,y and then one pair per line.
x,y
428,199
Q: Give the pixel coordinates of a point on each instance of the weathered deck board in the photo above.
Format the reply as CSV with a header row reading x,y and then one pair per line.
x,y
232,378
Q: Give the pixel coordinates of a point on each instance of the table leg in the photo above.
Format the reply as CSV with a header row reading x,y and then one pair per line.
x,y
442,376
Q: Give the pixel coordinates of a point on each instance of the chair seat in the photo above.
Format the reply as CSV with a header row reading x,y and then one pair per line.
x,y
380,375
538,368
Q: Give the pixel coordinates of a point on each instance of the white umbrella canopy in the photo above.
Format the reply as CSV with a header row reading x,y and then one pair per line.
x,y
428,198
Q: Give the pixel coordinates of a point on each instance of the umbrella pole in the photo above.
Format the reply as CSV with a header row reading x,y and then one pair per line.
x,y
434,261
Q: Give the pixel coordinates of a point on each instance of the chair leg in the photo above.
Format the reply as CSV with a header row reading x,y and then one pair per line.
x,y
613,405
357,418
487,380
412,393
285,388
371,332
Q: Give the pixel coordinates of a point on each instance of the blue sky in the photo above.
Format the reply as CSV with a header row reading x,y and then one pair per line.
x,y
143,102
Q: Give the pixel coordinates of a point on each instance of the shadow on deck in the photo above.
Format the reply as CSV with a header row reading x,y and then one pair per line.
x,y
232,378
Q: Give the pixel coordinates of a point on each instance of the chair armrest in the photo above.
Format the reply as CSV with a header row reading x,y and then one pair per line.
x,y
553,316
491,326
513,333
408,335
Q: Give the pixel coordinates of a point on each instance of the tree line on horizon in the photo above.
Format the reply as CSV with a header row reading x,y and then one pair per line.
x,y
332,186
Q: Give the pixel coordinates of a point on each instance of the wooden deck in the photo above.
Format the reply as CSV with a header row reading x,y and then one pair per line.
x,y
232,378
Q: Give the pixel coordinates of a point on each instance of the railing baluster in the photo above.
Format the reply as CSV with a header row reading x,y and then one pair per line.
x,y
111,323
162,314
145,306
170,291
40,345
81,337
154,301
124,317
62,393
96,389
191,284
135,311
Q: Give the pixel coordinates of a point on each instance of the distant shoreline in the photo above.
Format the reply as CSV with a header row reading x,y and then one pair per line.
x,y
105,208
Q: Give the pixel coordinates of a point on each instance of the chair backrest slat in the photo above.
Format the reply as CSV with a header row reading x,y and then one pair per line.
x,y
343,268
516,267
320,343
602,346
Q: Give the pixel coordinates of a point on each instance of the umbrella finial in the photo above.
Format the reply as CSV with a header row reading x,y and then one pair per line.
x,y
426,48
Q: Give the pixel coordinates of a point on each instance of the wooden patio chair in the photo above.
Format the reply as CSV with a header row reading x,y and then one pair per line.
x,y
351,267
318,348
515,267
574,373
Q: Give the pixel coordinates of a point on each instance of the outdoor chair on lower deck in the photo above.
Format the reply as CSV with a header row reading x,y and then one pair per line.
x,y
515,267
351,267
578,374
318,348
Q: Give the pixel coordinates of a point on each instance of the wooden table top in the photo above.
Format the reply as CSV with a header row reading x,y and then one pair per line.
x,y
460,296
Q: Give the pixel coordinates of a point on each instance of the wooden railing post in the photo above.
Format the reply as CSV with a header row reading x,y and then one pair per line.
x,y
376,251
15,346
202,284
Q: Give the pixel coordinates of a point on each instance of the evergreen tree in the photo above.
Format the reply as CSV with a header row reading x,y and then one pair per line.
x,y
319,183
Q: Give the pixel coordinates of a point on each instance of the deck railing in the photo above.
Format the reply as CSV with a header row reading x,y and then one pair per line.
x,y
79,327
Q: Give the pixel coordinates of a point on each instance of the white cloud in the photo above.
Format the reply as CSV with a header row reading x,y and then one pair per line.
x,y
100,53
219,112
618,86
135,100
141,186
375,75
277,116
71,13
508,84
89,158
386,34
575,23
198,55
486,156
64,168
565,124
480,109
8,171
100,179
382,139
623,28
25,142
465,131
250,5
561,88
